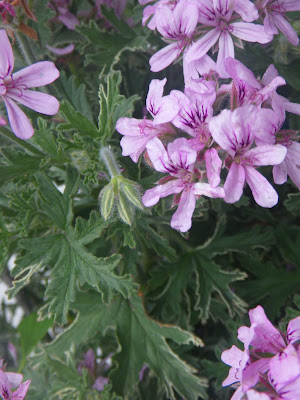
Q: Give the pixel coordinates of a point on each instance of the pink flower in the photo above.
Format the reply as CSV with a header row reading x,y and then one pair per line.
x,y
137,133
218,14
274,12
151,10
10,381
63,14
270,361
177,26
179,162
15,87
234,132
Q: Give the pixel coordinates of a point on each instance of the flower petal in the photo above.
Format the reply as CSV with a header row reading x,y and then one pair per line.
x,y
6,55
234,183
264,194
14,379
21,392
293,330
226,49
266,155
205,189
158,155
213,167
164,57
182,218
153,195
286,28
38,74
201,47
37,101
250,32
280,173
246,9
18,120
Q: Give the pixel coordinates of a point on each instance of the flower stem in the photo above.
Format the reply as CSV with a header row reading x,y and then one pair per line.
x,y
5,132
107,156
25,48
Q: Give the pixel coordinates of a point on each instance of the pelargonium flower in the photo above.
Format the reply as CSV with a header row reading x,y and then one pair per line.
x,y
11,386
274,13
149,13
15,87
270,361
95,370
179,162
218,15
234,132
176,26
137,133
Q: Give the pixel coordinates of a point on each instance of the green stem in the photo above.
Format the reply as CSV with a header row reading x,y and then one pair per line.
x,y
108,158
5,132
25,47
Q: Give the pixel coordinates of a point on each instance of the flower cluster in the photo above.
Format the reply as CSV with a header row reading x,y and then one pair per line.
x,y
95,370
11,386
188,136
269,366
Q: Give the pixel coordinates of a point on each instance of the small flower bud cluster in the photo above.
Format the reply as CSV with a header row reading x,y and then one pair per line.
x,y
269,366
188,137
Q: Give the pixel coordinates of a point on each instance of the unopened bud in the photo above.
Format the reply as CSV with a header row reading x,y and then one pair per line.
x,y
125,210
131,192
107,200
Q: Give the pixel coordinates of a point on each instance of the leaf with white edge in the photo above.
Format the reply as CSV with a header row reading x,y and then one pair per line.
x,y
143,341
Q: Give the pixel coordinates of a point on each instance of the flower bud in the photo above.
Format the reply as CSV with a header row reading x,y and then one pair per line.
x,y
107,200
125,210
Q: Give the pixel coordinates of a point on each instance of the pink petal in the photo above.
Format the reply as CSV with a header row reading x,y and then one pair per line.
x,y
4,386
270,74
37,101
18,120
254,395
165,22
155,94
293,330
164,57
269,24
293,171
234,183
223,8
158,155
267,337
205,189
251,373
6,55
286,28
266,155
226,49
153,195
239,72
38,74
284,367
167,111
231,378
21,392
67,18
182,218
280,173
246,9
186,18
181,154
201,47
263,193
14,379
195,68
250,32
232,357
213,167
291,5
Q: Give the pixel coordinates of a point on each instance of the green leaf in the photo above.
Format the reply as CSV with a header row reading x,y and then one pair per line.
x,y
106,48
76,121
75,94
292,203
143,340
211,278
31,333
113,105
56,205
